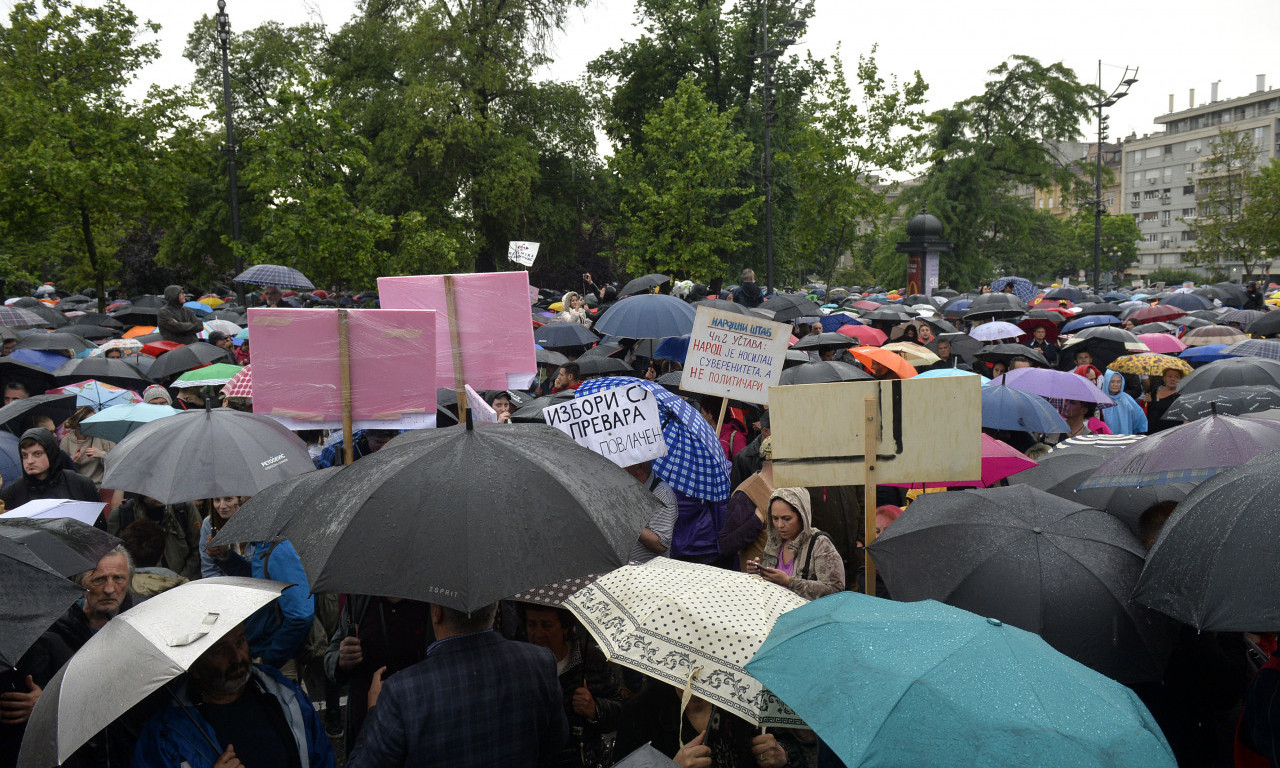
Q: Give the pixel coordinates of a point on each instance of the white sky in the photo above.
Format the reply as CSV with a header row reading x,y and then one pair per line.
x,y
1178,44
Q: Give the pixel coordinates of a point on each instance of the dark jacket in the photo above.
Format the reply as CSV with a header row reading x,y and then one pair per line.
x,y
476,701
174,321
748,295
181,524
586,663
60,482
746,463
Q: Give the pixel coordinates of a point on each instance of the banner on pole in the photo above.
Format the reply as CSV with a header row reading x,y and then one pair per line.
x,y
735,356
621,424
522,252
481,412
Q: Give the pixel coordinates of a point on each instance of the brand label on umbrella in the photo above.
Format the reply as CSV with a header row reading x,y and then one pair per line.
x,y
620,424
735,356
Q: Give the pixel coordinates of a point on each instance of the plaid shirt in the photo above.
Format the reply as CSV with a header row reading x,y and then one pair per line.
x,y
476,700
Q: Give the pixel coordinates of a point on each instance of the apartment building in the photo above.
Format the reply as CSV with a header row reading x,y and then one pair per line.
x,y
1159,170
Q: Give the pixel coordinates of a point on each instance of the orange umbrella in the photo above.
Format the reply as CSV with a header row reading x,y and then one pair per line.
x,y
870,356
139,330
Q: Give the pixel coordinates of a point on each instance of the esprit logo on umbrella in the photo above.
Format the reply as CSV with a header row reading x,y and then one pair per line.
x,y
274,461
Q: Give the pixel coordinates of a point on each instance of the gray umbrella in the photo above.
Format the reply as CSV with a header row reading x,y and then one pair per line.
x,y
641,284
1231,372
560,334
1213,565
185,358
823,341
1060,471
56,407
204,454
531,413
104,369
32,597
646,757
823,372
55,341
1229,401
1033,560
264,516
67,546
601,366
480,513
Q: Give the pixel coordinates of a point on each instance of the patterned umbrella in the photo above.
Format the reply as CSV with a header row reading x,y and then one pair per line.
x,y
1150,364
556,593
1022,287
124,345
1244,317
695,463
274,274
1213,334
240,385
1268,348
97,394
16,317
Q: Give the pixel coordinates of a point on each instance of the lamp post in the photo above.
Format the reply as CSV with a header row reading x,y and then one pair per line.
x,y
224,39
1119,92
767,57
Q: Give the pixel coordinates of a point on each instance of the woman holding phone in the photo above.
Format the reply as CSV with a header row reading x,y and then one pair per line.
x,y
797,555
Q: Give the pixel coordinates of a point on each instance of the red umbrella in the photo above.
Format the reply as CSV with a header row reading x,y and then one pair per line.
x,y
1043,303
1162,343
865,334
1156,314
158,348
1030,324
864,304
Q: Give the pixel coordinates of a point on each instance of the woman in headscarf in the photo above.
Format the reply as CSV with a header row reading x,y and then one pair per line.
x,y
1127,417
797,555
86,452
573,309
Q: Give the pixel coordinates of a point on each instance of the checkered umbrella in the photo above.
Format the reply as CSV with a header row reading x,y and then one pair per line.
x,y
1268,348
17,317
1022,287
274,274
695,463
1242,316
241,385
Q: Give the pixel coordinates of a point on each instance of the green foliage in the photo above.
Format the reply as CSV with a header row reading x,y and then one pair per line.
x,y
1221,228
1120,238
683,210
1262,213
1175,277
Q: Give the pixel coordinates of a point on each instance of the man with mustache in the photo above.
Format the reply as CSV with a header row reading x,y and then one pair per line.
x,y
228,712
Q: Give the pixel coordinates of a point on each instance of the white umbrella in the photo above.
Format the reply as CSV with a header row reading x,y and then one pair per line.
x,y
136,653
125,346
85,511
693,626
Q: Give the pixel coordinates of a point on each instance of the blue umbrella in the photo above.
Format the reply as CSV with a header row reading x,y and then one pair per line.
x,y
10,464
695,463
48,361
1009,408
675,348
1022,287
647,316
946,373
274,274
1187,302
116,422
1090,321
888,683
1115,296
200,308
1207,354
831,322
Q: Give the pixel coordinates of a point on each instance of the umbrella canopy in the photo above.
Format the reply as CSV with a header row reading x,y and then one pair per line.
x,y
116,422
1162,343
90,332
915,354
1030,324
823,372
996,330
1070,294
531,412
17,317
1090,321
999,461
1228,401
865,334
133,655
691,625
890,683
1022,288
695,463
1060,385
646,316
1013,409
1188,453
545,357
1212,564
554,595
56,406
561,334
1265,348
1187,302
996,305
582,514
642,284
1036,561
675,348
1006,353
1231,372
199,308
1150,364
38,358
264,516
208,376
96,318
1110,333
98,395
32,596
1153,314
1212,334
107,370
1242,317
241,384
823,341
203,454
1268,325
873,355
54,341
66,545
33,377
274,274
785,308
185,358
601,366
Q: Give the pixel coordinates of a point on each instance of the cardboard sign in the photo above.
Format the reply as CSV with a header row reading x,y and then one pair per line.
x,y
930,431
621,424
522,252
734,356
297,376
494,333
482,412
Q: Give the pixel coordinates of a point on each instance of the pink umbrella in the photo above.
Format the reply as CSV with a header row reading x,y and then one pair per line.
x,y
865,334
999,460
1162,343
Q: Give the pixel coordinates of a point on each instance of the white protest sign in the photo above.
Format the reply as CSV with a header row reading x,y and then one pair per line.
x,y
481,411
621,424
522,252
734,356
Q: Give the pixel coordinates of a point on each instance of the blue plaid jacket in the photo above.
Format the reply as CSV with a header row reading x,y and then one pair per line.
x,y
476,700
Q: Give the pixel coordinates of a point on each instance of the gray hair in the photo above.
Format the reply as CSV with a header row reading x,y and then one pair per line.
x,y
81,579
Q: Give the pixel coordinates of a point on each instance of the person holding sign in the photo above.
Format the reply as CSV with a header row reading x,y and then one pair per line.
x,y
797,555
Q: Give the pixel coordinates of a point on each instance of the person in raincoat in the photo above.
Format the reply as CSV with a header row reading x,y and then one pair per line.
x,y
174,321
797,555
47,473
573,309
1127,417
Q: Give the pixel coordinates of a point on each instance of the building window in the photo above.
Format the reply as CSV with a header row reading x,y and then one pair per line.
x,y
1150,194
1188,213
1154,152
1166,218
1168,150
1149,216
1152,238
1188,236
1189,189
1135,158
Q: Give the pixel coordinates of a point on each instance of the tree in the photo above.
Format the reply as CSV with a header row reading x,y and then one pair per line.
x,y
79,162
1120,238
1220,229
1262,213
683,208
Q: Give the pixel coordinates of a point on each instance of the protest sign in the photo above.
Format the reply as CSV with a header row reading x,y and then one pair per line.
x,y
734,356
522,252
621,424
298,373
483,412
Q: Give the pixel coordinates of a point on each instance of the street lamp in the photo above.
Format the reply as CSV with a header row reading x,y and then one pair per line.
x,y
1119,92
767,57
224,39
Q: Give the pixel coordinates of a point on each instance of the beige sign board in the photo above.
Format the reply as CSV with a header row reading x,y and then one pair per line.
x,y
930,431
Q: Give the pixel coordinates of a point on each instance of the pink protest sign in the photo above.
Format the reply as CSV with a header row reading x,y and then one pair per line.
x,y
494,327
297,376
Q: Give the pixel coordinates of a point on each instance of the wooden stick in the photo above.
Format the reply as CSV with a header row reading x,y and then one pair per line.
x,y
724,406
344,373
871,445
459,378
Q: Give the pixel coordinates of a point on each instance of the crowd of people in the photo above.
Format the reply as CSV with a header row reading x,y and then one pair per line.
x,y
370,680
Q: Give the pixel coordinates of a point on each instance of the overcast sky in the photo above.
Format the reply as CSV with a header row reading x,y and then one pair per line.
x,y
1178,44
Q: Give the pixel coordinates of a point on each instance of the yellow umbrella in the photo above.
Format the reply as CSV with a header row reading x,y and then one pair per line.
x,y
212,301
913,353
557,306
1150,364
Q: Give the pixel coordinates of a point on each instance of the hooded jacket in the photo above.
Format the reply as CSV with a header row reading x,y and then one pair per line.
x,y
60,482
174,321
1127,417
578,315
818,568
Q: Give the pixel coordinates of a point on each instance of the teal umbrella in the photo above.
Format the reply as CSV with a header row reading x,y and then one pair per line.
x,y
888,683
115,422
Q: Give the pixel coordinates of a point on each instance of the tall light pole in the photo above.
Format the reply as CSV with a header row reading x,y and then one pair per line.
x,y
1119,92
224,38
767,57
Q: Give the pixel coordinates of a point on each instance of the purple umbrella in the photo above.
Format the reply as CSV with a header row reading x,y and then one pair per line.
x,y
996,330
1059,385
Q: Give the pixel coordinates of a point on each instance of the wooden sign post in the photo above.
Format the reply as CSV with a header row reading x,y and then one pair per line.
x,y
459,378
344,378
870,438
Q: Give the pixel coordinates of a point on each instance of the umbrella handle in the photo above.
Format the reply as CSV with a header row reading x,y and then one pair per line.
x,y
685,695
217,749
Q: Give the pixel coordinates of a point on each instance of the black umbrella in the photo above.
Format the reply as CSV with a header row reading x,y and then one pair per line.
x,y
54,341
1231,372
65,545
1006,352
603,349
946,293
721,304
32,597
646,757
56,407
52,318
532,413
887,314
601,366
1268,325
33,377
672,380
264,516
136,315
560,334
115,372
823,341
1033,560
1101,308
1213,565
786,307
203,454
824,372
90,331
97,318
550,357
996,305
185,358
148,302
1073,295
1155,328
1231,294
1103,351
939,325
1229,401
430,498
963,345
232,316
642,284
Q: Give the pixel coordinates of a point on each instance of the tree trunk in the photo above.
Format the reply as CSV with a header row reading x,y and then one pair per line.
x,y
91,249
